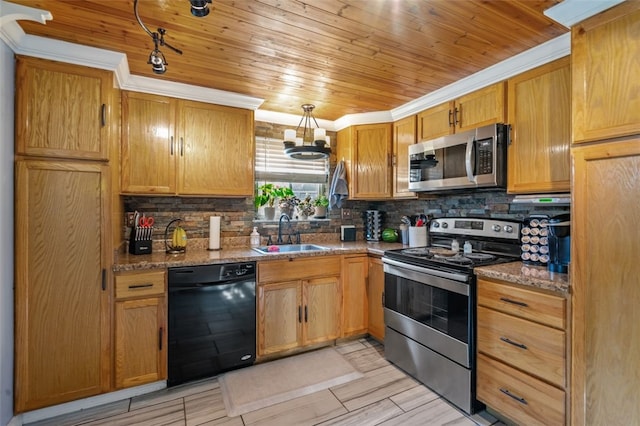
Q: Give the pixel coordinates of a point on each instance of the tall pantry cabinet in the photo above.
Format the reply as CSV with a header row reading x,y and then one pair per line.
x,y
605,272
62,241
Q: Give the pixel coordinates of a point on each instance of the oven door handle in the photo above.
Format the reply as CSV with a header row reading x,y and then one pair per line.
x,y
457,283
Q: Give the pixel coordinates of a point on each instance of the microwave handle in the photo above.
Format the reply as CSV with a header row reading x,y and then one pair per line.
x,y
467,161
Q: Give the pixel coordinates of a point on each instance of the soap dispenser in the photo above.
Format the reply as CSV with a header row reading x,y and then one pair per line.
x,y
255,237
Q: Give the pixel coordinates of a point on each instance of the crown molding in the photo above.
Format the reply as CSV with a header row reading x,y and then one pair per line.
x,y
570,12
11,12
41,47
551,50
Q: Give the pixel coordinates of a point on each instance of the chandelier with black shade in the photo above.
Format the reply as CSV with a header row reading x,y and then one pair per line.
x,y
312,144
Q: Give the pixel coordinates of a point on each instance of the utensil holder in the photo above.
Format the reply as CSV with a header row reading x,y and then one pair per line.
x,y
417,236
140,241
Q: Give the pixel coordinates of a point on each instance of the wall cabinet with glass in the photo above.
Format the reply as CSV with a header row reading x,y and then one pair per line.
x,y
172,146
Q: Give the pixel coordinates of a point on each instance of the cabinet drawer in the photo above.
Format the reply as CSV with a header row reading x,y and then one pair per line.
x,y
298,269
136,284
531,347
524,303
518,396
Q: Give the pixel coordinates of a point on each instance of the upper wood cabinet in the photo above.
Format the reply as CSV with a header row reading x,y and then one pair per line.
x,y
606,74
62,289
63,110
172,146
480,108
148,156
404,135
539,103
367,150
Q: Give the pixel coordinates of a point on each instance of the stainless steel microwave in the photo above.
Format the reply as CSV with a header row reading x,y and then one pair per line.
x,y
472,159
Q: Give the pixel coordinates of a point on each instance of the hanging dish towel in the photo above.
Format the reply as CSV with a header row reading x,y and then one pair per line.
x,y
339,190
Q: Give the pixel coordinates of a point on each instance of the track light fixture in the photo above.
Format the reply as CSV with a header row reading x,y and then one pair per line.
x,y
199,8
156,58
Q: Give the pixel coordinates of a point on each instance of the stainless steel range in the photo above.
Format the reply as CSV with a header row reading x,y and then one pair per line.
x,y
430,299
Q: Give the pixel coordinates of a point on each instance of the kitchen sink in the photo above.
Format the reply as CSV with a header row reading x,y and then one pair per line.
x,y
288,248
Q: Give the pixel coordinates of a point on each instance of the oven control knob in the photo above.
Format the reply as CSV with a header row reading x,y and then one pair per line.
x,y
496,228
508,229
445,225
436,224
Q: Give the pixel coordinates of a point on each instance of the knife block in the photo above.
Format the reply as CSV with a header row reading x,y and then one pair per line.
x,y
139,244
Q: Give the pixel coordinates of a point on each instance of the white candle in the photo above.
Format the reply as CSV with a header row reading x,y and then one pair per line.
x,y
289,135
319,134
214,233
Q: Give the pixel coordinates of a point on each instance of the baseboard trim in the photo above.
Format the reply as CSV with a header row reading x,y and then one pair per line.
x,y
83,404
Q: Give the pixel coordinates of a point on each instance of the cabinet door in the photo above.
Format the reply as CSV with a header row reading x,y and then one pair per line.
x,y
322,307
62,320
435,122
279,317
62,110
140,342
148,156
375,297
540,118
404,135
606,74
371,156
481,108
605,283
354,295
216,150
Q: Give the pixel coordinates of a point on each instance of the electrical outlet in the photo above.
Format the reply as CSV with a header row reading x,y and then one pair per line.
x,y
346,214
129,217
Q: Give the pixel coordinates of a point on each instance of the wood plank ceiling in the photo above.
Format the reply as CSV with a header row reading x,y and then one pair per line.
x,y
344,56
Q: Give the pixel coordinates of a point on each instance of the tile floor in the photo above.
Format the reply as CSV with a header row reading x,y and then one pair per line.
x,y
384,396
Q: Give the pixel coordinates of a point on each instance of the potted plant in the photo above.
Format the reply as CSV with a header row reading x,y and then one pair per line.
x,y
266,196
306,207
321,202
287,201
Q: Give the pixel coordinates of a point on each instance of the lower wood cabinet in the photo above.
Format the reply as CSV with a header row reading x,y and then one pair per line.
x,y
522,353
140,330
355,271
375,298
299,303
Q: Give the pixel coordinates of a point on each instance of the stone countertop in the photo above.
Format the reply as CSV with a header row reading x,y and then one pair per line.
x,y
130,262
533,276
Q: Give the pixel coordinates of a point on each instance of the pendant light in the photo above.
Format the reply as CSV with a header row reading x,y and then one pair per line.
x,y
311,146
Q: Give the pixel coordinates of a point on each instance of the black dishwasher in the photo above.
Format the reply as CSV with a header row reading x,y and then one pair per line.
x,y
212,320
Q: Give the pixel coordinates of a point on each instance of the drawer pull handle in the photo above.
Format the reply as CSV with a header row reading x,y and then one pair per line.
x,y
137,286
511,342
299,313
306,314
517,398
514,302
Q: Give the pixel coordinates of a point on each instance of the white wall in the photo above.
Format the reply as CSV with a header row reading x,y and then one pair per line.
x,y
7,86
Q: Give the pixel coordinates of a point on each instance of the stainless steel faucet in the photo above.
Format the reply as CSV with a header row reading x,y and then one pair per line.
x,y
283,216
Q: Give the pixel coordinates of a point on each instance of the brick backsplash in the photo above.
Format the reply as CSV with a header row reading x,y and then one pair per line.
x,y
238,215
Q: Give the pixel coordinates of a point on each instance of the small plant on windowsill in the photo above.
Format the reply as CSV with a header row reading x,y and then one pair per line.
x,y
321,202
267,195
306,207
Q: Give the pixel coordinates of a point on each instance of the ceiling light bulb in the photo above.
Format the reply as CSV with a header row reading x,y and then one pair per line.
x,y
158,64
199,8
